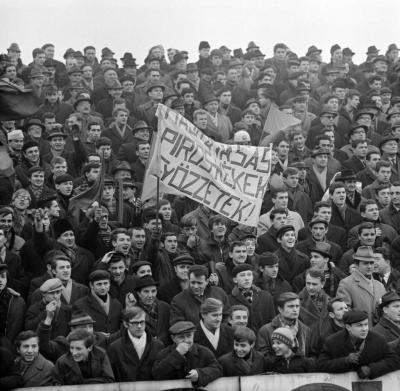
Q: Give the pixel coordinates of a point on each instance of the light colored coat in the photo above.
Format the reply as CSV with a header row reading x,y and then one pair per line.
x,y
357,293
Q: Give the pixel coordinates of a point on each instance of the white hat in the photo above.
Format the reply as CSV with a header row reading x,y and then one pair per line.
x,y
241,136
14,134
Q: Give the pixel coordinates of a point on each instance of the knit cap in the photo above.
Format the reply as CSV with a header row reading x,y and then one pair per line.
x,y
284,335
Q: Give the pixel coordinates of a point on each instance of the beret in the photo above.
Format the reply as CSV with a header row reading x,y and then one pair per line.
x,y
51,285
182,327
241,268
268,259
354,316
98,275
137,265
35,169
144,282
63,178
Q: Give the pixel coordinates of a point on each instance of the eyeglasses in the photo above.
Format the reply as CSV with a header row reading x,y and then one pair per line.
x,y
137,323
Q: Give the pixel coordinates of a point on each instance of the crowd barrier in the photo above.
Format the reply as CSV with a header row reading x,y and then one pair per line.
x,y
297,382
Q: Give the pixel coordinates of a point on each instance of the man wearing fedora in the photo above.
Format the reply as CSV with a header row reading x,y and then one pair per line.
x,y
389,322
147,111
132,355
127,151
360,290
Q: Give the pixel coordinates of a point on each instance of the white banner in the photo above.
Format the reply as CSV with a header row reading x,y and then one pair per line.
x,y
229,179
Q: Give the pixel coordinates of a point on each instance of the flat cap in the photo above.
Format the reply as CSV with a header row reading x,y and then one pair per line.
x,y
317,220
137,265
322,248
282,230
320,151
354,316
51,285
184,259
182,327
63,178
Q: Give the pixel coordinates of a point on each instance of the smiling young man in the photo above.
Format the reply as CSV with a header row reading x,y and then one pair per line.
x,y
90,363
35,370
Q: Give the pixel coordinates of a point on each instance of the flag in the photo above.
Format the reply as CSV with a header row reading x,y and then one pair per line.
x,y
276,121
16,102
6,163
81,202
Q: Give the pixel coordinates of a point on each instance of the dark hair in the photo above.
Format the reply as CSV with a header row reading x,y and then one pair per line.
x,y
381,163
116,232
321,204
274,191
316,273
141,142
334,186
216,219
133,312
285,297
290,171
370,153
244,334
81,335
278,211
23,336
355,143
198,271
166,234
365,225
384,251
236,243
333,301
365,203
188,221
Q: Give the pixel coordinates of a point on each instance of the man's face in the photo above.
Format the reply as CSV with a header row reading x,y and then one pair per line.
x,y
52,296
37,179
390,147
339,196
75,78
138,238
248,119
271,271
79,351
16,144
339,309
281,200
313,285
143,151
350,185
394,195
354,101
189,230
148,295
244,279
383,197
22,201
288,240
171,244
154,225
62,270
65,188
381,265
280,54
218,229
212,320
90,54
67,239
121,117
3,280
143,134
232,75
365,119
239,318
361,150
136,325
279,220
238,254
384,174
225,98
283,149
57,143
182,271
122,243
110,77
165,211
144,270
32,154
128,86
197,284
156,94
54,209
290,310
321,161
371,212
6,223
94,132
29,349
392,311
92,175
117,271
318,260
201,121
186,338
318,231
366,268
212,107
100,287
292,181
373,159
358,330
242,348
108,192
104,150
250,246
40,59
299,141
367,237
327,120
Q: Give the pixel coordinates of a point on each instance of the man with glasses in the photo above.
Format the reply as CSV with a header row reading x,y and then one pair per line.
x,y
132,355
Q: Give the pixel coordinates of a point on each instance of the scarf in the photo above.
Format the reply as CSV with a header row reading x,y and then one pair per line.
x,y
247,294
318,300
105,235
105,305
70,252
293,326
66,291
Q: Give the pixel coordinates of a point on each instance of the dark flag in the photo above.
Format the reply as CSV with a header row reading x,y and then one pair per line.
x,y
15,102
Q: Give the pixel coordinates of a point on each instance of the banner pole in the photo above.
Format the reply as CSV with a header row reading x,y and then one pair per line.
x,y
157,199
